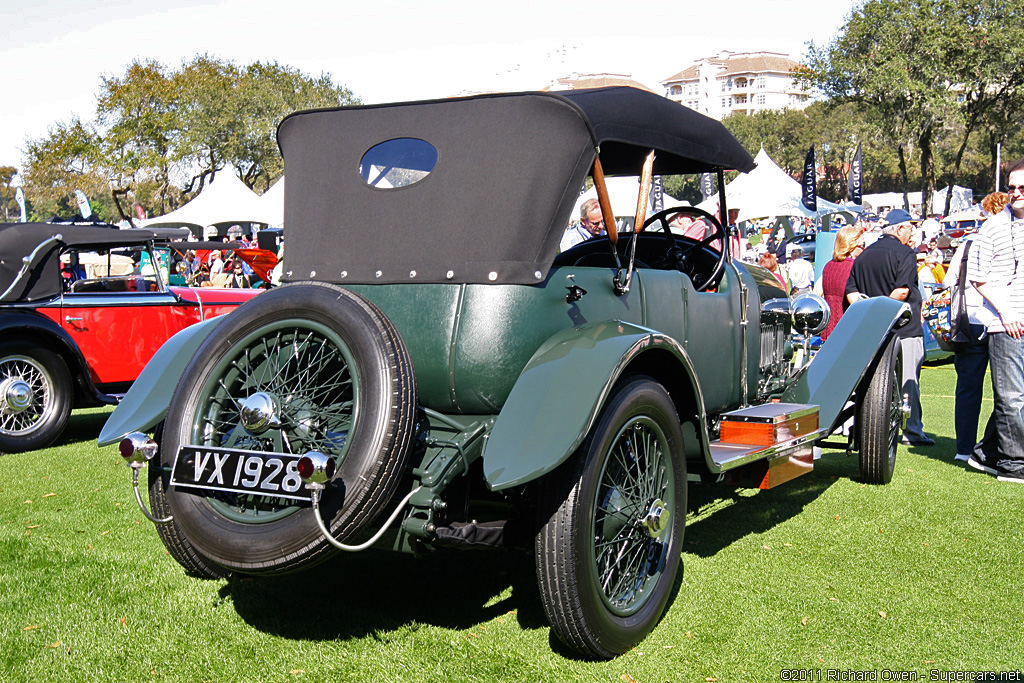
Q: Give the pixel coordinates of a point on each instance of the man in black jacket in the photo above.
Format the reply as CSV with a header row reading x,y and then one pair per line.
x,y
889,268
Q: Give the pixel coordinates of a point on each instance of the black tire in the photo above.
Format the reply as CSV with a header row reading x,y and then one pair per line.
x,y
344,385
178,547
35,397
880,417
604,579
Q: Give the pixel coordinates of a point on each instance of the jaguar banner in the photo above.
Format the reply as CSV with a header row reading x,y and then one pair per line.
x,y
809,182
707,185
854,181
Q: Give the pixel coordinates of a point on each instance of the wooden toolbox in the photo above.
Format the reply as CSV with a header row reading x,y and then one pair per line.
x,y
768,424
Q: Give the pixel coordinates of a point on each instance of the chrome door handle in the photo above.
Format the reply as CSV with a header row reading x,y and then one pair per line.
x,y
69,319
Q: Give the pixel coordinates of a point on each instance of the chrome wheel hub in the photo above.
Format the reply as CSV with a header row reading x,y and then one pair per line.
x,y
258,413
657,519
16,395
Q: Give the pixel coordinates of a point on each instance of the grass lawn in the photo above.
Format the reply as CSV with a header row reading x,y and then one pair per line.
x,y
823,573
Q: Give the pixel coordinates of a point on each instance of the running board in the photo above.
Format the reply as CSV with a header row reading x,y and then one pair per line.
x,y
766,445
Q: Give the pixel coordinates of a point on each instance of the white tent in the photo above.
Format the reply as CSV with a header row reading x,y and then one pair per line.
x,y
963,198
225,199
767,191
272,204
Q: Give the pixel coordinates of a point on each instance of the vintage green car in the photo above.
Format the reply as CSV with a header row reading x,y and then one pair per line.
x,y
435,374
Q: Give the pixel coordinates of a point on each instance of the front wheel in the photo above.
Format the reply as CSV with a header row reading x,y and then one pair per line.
x,y
880,418
35,397
608,552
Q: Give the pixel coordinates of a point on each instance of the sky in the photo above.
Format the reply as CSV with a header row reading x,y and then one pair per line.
x,y
55,54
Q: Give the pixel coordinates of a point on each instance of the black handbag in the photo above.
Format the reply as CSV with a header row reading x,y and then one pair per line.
x,y
960,321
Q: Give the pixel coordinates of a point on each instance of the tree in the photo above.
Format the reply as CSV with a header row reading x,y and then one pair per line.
x,y
7,174
916,65
160,134
65,161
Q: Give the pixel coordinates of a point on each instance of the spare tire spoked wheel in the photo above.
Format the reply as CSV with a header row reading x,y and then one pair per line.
x,y
303,367
293,373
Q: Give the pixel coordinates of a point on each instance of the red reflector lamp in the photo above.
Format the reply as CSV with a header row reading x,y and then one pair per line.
x,y
137,447
316,468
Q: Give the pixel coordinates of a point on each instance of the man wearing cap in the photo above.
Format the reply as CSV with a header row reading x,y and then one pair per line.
x,y
889,268
995,266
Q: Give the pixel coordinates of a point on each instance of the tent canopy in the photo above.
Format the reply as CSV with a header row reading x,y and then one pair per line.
x,y
963,199
226,199
767,191
272,204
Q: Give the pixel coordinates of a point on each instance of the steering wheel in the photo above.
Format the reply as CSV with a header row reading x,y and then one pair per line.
x,y
681,257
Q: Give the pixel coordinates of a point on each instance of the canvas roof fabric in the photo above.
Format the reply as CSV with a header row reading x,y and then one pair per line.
x,y
508,172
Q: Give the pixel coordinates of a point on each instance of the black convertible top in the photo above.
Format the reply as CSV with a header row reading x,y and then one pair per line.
x,y
508,170
42,280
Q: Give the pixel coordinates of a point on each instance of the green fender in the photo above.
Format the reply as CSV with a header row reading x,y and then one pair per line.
x,y
559,395
146,403
837,368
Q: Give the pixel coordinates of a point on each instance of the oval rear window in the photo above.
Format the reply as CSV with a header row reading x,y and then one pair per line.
x,y
397,163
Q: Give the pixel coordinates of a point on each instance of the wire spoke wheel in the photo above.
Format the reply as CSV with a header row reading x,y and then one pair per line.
x,y
612,519
35,397
880,417
303,367
628,559
306,370
25,398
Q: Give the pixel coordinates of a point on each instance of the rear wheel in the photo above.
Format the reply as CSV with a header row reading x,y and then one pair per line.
x,y
608,555
880,418
35,397
339,380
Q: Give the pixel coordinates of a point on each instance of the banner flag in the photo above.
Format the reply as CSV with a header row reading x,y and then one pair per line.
x,y
810,182
84,210
140,212
19,196
657,198
855,181
707,185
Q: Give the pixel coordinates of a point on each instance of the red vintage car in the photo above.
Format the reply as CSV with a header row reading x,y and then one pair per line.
x,y
82,310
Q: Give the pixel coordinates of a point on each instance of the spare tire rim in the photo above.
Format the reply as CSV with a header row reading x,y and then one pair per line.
x,y
307,372
25,398
636,483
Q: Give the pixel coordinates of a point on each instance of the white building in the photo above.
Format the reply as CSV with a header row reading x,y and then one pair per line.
x,y
578,81
745,82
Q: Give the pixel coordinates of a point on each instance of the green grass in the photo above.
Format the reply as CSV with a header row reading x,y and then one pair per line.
x,y
820,573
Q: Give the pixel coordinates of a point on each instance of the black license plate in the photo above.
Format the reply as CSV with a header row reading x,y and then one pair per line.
x,y
238,471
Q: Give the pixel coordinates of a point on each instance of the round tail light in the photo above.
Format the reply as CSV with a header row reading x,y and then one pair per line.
x,y
316,468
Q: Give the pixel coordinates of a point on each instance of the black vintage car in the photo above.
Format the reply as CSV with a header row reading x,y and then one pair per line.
x,y
435,374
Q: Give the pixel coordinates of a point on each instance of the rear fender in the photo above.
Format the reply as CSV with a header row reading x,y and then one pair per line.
x,y
145,405
836,370
560,393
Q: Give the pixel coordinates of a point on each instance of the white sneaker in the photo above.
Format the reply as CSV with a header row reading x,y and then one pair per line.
x,y
961,457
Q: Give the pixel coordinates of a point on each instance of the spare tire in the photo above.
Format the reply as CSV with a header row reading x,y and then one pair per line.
x,y
341,382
